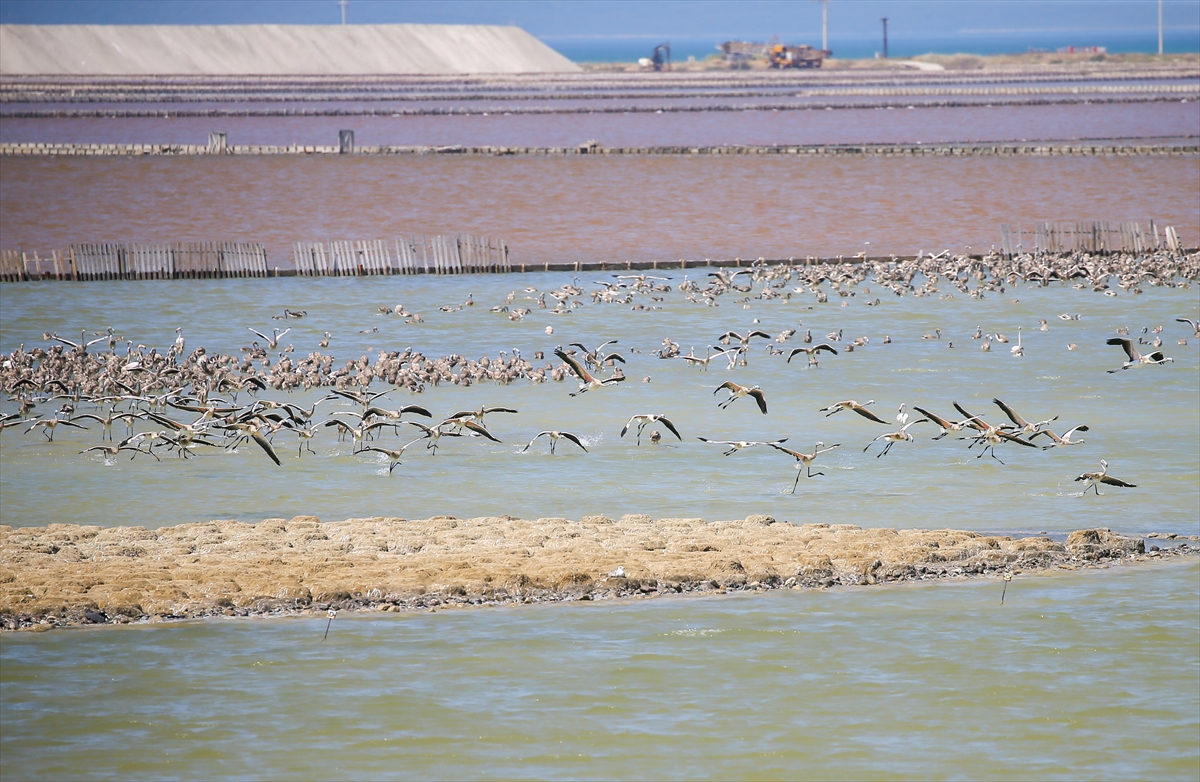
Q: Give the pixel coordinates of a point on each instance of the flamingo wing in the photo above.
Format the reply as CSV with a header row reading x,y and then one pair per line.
x,y
975,422
865,413
531,442
1127,344
262,443
580,372
574,439
1012,414
761,399
942,422
667,423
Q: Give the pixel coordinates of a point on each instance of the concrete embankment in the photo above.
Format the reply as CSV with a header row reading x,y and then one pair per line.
x,y
69,574
989,149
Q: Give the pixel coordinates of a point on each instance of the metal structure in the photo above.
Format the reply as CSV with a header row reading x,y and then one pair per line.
x,y
661,58
778,55
739,53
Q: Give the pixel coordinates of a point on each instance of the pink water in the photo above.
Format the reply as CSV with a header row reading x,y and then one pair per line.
x,y
855,126
590,209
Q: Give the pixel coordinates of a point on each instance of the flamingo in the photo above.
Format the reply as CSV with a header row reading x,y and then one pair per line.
x,y
556,435
587,380
805,459
1016,349
272,341
392,455
708,356
898,436
50,424
1136,359
111,451
1064,440
737,392
1023,426
1094,480
739,445
645,420
947,426
850,404
812,353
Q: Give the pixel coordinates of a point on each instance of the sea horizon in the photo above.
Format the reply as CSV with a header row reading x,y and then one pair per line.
x,y
1178,40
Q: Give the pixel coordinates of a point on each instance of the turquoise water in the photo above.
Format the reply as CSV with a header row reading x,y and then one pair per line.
x,y
1089,675
1144,422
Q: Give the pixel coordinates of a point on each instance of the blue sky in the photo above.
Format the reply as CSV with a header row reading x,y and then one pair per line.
x,y
944,25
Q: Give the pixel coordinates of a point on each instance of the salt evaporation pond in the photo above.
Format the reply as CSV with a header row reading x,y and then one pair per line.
x,y
1092,673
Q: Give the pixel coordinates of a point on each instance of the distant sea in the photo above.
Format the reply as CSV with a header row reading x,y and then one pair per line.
x,y
629,49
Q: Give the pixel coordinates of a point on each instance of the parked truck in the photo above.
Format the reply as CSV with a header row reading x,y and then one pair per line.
x,y
804,56
739,54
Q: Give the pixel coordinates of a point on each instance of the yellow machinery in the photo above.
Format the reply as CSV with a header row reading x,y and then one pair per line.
x,y
781,56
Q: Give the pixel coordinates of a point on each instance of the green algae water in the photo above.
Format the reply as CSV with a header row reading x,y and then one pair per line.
x,y
1093,674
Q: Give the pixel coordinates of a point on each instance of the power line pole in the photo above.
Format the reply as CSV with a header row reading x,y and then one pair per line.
x,y
343,4
885,56
825,23
1160,28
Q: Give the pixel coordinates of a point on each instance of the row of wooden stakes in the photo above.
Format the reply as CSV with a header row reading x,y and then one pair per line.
x,y
455,254
1093,236
178,260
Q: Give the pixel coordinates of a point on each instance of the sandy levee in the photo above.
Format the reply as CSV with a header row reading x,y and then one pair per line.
x,y
72,574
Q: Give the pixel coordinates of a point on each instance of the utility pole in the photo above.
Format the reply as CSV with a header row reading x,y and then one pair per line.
x,y
1160,28
825,24
885,37
343,4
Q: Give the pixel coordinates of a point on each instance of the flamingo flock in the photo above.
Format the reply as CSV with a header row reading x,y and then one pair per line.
x,y
180,403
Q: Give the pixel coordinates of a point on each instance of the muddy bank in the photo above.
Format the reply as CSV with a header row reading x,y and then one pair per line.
x,y
69,574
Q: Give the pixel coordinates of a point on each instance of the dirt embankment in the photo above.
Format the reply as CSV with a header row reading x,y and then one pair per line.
x,y
71,574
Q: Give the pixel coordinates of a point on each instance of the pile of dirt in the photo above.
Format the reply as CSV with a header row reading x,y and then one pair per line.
x,y
71,574
155,51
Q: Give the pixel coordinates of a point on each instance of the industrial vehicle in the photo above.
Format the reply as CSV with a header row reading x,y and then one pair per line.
x,y
660,60
804,56
739,53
